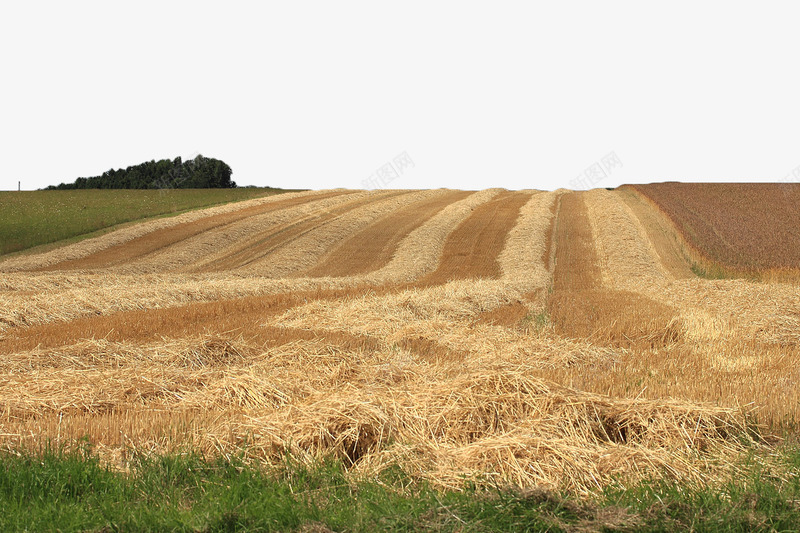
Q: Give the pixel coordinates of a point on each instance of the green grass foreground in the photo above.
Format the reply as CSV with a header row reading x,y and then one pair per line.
x,y
33,218
74,492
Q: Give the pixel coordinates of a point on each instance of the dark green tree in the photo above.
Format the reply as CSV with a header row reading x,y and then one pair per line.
x,y
197,173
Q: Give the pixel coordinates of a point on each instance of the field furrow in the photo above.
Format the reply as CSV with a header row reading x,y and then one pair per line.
x,y
306,250
628,259
420,251
374,246
576,263
661,233
208,247
244,255
583,302
473,248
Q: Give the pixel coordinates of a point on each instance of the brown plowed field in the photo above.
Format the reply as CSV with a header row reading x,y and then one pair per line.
x,y
374,246
740,225
162,238
508,338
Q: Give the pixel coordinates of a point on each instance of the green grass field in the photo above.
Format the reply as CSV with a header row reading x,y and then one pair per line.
x,y
74,492
33,218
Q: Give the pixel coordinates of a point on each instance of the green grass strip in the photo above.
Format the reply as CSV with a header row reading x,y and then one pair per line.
x,y
33,218
73,491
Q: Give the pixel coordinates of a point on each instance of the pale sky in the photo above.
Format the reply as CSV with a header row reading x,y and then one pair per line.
x,y
472,95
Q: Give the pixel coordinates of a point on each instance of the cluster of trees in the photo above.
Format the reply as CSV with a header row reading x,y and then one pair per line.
x,y
198,173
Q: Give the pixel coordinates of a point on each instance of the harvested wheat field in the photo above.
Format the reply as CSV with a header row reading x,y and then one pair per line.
x,y
537,339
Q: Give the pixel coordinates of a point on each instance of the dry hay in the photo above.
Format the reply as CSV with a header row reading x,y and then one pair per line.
x,y
419,253
382,314
627,258
661,232
738,310
305,251
501,425
196,252
249,251
122,293
523,258
487,418
446,316
472,248
95,376
29,299
373,247
90,246
709,309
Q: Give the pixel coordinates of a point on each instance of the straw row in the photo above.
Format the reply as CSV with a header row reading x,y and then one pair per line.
x,y
308,249
522,259
207,246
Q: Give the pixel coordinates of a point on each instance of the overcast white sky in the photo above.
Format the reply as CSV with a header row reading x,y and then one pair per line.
x,y
477,95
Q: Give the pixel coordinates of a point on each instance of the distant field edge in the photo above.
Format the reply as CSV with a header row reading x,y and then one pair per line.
x,y
700,260
36,221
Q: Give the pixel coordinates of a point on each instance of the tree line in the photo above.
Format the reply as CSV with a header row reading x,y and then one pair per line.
x,y
197,173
